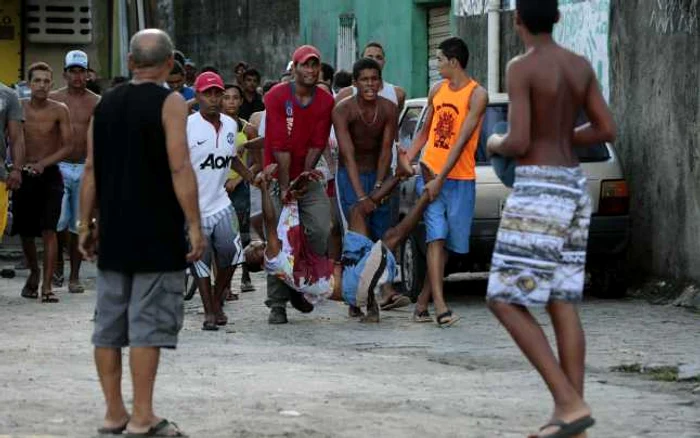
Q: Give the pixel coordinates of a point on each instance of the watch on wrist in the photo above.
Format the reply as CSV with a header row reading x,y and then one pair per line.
x,y
378,185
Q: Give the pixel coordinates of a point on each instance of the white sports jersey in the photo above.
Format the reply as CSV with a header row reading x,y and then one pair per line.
x,y
211,153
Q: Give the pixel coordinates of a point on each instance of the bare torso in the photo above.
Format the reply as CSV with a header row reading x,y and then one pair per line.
x,y
367,127
81,107
558,81
42,133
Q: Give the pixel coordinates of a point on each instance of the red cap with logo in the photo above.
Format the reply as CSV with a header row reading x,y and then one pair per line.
x,y
207,80
304,53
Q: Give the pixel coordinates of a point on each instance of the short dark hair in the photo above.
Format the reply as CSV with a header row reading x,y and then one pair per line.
x,y
210,68
119,80
538,16
342,79
240,64
268,85
455,48
373,44
252,72
365,64
328,72
40,66
179,56
177,69
237,87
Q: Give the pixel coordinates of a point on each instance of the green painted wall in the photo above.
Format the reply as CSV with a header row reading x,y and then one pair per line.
x,y
399,25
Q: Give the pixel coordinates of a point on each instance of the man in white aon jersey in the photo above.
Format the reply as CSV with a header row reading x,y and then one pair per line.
x,y
211,138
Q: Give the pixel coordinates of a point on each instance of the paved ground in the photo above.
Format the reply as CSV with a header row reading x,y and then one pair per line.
x,y
340,378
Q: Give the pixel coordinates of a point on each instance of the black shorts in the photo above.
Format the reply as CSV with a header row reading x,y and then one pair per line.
x,y
36,206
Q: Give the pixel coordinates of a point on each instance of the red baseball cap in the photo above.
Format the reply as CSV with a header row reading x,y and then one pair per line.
x,y
207,80
304,53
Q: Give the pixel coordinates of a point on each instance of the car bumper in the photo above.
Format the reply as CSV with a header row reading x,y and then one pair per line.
x,y
608,235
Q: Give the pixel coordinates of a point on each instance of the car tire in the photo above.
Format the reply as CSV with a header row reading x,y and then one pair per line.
x,y
413,268
608,278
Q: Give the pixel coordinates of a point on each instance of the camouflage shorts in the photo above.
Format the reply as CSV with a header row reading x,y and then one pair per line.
x,y
540,252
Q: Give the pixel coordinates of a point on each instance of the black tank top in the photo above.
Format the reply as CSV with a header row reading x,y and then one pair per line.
x,y
141,224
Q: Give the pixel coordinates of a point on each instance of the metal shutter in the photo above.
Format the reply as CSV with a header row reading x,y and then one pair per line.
x,y
346,51
59,21
438,30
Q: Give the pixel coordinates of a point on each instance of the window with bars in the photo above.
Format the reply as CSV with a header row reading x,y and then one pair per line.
x,y
346,49
59,21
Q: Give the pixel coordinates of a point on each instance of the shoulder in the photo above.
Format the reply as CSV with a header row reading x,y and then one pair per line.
x,y
93,97
229,123
435,88
385,104
400,92
324,98
57,106
344,93
59,94
343,106
277,92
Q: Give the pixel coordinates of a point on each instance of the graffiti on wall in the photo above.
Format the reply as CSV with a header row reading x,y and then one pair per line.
x,y
584,28
675,16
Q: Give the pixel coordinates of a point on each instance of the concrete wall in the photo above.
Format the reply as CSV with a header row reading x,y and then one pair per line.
x,y
54,54
655,51
263,33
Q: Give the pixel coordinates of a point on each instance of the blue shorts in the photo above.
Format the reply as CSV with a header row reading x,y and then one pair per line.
x,y
380,219
356,252
71,172
449,217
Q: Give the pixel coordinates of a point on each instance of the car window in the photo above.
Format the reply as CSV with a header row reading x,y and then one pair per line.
x,y
496,122
407,127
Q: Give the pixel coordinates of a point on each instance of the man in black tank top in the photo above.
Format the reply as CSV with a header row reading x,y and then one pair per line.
x,y
140,185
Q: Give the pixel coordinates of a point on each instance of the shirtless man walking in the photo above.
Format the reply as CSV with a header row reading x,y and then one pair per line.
x,y
81,103
540,253
37,203
365,127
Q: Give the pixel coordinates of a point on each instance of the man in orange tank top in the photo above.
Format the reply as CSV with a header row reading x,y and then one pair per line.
x,y
449,137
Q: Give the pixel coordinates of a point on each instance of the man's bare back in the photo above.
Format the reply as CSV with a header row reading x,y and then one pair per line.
x,y
81,107
548,87
366,129
44,127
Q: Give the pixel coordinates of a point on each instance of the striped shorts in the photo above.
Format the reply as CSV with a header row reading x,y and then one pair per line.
x,y
540,252
223,242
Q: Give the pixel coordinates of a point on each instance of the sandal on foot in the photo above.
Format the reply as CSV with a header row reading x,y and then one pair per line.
x,y
210,326
247,287
76,288
567,430
221,319
57,279
421,316
164,428
447,319
49,297
113,430
31,293
396,301
355,312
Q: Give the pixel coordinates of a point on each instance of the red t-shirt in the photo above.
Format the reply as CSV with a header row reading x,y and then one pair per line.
x,y
290,127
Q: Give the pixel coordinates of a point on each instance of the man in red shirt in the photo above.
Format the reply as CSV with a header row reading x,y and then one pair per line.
x,y
297,127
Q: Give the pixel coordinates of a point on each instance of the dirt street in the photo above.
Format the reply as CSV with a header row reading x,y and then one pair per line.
x,y
324,375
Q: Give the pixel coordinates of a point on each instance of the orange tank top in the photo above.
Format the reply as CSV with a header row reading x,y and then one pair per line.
x,y
450,109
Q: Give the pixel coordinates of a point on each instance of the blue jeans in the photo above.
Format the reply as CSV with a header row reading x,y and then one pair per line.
x,y
70,209
380,219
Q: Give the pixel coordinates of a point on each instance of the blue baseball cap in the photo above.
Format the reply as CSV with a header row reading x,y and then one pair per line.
x,y
76,58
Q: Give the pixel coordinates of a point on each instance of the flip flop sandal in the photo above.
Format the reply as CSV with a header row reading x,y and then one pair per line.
x,y
210,326
422,316
164,428
112,430
57,280
28,292
396,301
49,297
76,288
247,287
567,430
447,319
221,319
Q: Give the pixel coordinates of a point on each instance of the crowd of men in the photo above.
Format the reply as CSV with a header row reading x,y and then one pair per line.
x,y
177,169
